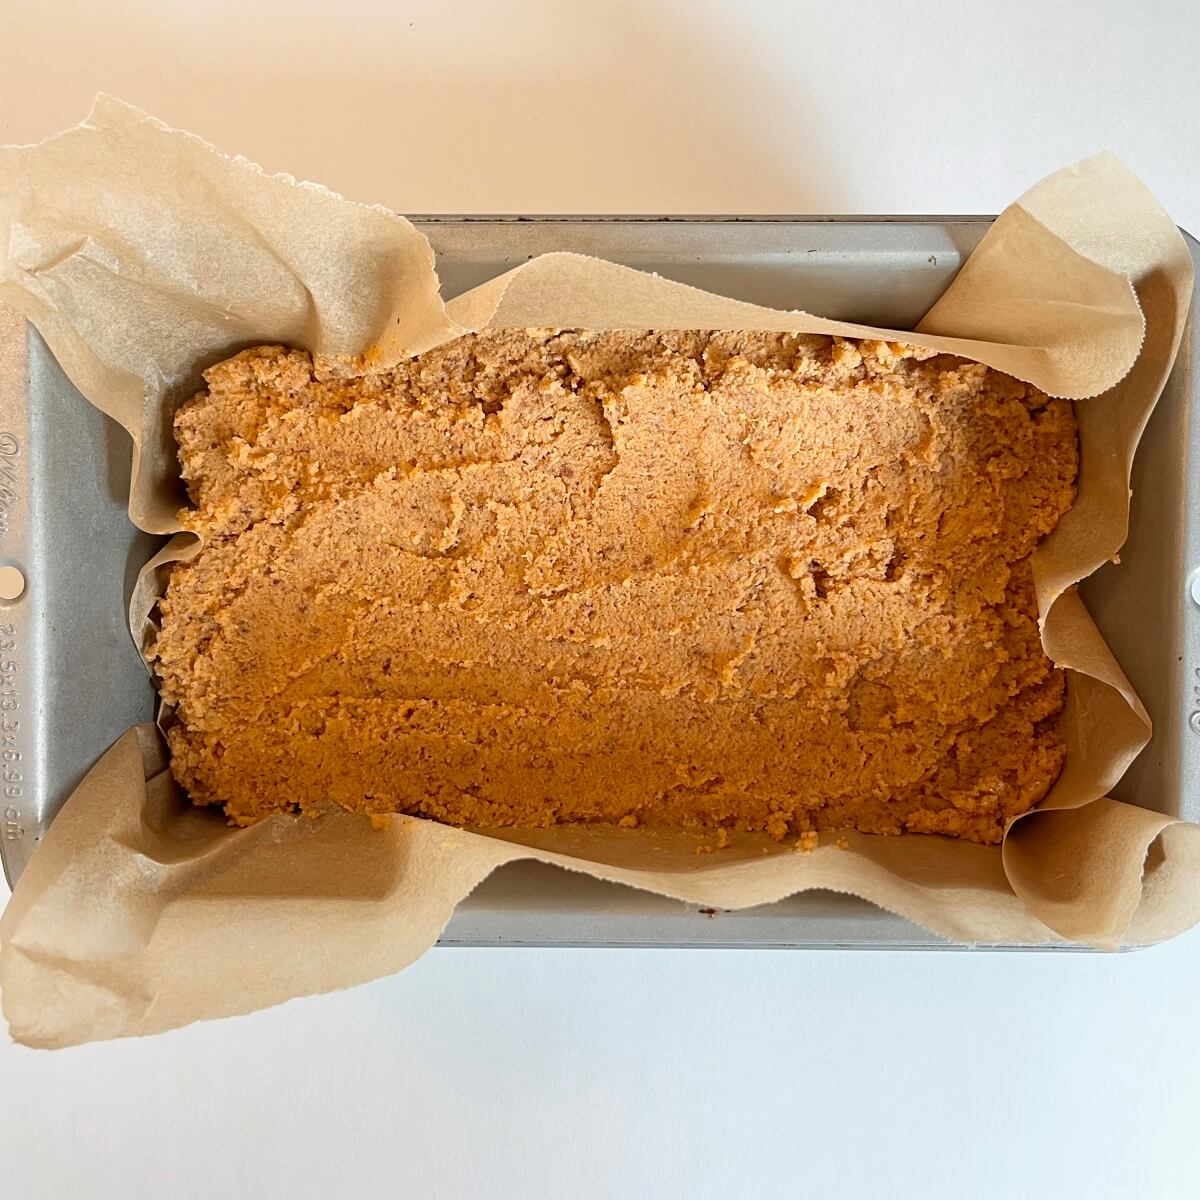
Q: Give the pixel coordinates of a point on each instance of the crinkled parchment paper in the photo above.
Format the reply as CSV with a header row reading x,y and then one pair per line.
x,y
143,256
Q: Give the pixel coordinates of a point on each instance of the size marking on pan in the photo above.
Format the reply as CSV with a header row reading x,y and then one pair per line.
x,y
12,776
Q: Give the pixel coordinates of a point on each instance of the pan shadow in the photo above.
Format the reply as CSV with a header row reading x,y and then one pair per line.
x,y
653,118
544,108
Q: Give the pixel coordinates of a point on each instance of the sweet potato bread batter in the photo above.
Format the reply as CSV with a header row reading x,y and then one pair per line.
x,y
749,581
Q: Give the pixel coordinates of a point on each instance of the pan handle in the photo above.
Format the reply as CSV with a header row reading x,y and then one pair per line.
x,y
71,679
22,816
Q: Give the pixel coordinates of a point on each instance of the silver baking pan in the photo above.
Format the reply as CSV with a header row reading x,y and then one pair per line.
x,y
71,681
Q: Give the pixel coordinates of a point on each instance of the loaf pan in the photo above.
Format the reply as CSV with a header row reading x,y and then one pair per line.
x,y
71,680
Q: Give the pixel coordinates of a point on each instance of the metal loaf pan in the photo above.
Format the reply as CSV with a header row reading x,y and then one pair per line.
x,y
71,681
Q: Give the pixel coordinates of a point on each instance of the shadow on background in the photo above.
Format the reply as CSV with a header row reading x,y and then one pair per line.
x,y
533,106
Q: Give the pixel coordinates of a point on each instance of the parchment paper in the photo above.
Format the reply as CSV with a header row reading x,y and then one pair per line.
x,y
143,256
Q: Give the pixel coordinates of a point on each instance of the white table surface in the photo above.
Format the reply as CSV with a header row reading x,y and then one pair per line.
x,y
642,1073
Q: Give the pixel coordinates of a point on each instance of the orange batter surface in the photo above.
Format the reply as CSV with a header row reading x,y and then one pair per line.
x,y
750,581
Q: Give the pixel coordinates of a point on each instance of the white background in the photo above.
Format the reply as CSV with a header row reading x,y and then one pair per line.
x,y
641,1073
